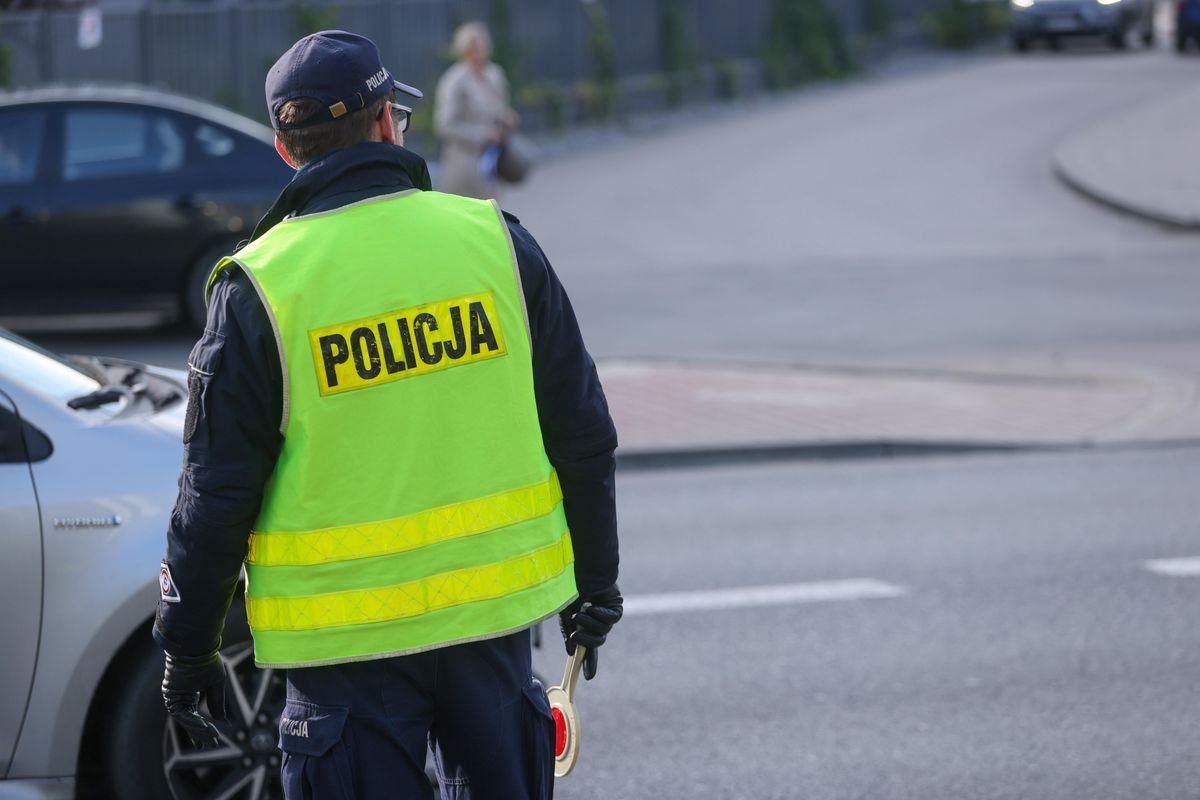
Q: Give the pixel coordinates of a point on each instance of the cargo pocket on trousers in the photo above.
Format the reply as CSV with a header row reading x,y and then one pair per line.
x,y
316,758
539,741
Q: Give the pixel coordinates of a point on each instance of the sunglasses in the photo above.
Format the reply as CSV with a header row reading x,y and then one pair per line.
x,y
400,115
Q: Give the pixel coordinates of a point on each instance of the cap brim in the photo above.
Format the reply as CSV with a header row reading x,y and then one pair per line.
x,y
408,90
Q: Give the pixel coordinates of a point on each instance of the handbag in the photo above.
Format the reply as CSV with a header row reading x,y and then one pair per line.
x,y
517,155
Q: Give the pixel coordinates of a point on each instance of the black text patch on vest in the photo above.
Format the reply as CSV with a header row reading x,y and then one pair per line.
x,y
406,343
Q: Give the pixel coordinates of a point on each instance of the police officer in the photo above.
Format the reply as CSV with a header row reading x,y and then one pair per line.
x,y
394,425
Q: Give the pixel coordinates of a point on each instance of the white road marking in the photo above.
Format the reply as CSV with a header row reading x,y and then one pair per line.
x,y
751,596
1174,567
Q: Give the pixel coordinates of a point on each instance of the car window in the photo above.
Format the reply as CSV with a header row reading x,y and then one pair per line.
x,y
22,132
113,142
12,439
20,442
40,371
212,142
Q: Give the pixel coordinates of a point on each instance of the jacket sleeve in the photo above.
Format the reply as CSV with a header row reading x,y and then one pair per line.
x,y
231,443
577,430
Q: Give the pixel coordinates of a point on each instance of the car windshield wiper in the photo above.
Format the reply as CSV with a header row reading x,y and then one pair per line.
x,y
100,397
131,379
135,382
135,379
89,366
129,387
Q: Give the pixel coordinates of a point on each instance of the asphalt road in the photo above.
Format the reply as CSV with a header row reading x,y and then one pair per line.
x,y
1008,641
1032,656
901,218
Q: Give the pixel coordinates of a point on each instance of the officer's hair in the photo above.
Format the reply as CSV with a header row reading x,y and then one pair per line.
x,y
310,143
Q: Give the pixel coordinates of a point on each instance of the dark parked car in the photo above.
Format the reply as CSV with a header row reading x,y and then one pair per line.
x,y
122,198
1051,20
1187,23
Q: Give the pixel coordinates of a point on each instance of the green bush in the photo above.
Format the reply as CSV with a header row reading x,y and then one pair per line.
x,y
728,78
505,51
675,50
306,19
804,42
878,17
655,83
995,17
595,102
600,93
421,136
547,97
420,125
6,65
962,24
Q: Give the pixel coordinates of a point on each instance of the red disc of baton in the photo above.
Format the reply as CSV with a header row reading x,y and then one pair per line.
x,y
566,720
560,732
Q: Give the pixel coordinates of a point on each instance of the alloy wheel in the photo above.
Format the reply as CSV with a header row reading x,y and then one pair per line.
x,y
245,763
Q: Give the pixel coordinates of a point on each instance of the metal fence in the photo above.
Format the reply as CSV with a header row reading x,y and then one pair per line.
x,y
222,53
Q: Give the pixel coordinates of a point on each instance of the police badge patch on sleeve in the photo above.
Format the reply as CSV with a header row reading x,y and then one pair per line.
x,y
192,416
203,363
166,584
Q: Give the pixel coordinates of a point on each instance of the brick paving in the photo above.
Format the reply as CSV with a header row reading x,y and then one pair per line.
x,y
663,406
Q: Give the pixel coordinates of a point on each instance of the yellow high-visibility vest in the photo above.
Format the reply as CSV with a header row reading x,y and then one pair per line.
x,y
413,505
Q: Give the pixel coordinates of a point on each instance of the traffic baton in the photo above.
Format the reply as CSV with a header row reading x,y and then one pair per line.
x,y
566,720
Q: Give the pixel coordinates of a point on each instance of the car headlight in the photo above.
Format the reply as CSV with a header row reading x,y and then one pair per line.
x,y
1108,2
1022,3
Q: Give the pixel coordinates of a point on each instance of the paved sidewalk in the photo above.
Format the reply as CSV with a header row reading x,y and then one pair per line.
x,y
673,407
1144,162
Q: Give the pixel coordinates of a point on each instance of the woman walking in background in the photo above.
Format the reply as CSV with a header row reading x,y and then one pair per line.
x,y
471,114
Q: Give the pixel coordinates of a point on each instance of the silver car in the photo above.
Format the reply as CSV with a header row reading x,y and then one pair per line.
x,y
90,450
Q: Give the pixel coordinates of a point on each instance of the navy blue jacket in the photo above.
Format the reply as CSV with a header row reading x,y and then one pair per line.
x,y
235,400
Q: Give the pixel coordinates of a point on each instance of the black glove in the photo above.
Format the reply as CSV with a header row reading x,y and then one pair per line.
x,y
587,622
184,680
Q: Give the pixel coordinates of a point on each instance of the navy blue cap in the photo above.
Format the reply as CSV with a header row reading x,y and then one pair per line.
x,y
342,71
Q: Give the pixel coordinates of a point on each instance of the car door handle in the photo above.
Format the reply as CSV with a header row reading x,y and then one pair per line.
x,y
17,214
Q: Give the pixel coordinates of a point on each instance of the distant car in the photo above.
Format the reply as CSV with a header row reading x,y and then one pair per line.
x,y
89,454
1052,20
121,199
1187,23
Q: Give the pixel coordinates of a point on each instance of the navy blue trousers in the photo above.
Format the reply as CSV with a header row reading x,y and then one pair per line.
x,y
361,730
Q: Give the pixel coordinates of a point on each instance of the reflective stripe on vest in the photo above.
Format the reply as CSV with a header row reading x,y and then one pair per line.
x,y
413,598
406,533
412,505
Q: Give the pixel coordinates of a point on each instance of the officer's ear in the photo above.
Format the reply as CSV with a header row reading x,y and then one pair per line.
x,y
284,154
383,127
384,130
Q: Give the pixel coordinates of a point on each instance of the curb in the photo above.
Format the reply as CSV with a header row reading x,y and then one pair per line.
x,y
675,415
658,460
1111,201
1126,162
650,460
